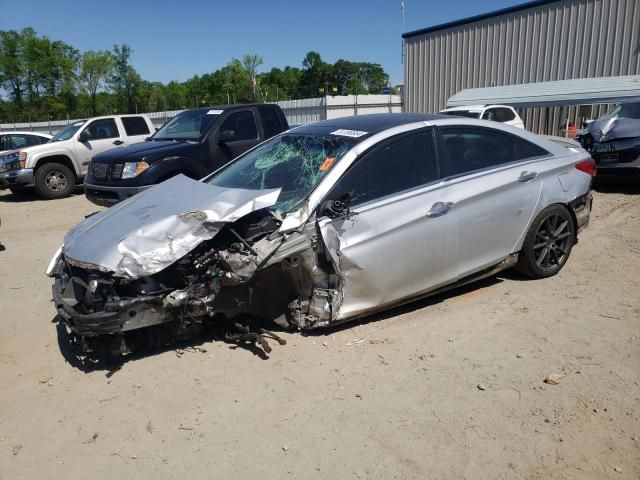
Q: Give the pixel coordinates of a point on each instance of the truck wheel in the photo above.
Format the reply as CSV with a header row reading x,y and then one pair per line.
x,y
548,243
54,180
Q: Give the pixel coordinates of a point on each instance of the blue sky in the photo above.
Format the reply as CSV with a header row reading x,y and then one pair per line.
x,y
174,40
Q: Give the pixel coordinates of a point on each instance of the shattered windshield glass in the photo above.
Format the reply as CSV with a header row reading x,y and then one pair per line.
x,y
626,110
293,163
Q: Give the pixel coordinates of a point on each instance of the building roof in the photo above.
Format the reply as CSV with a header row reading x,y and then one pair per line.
x,y
483,16
579,91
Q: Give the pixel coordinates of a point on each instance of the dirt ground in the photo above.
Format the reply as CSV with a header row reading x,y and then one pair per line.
x,y
449,387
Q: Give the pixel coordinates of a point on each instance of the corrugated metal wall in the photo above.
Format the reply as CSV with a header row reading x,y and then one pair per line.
x,y
556,41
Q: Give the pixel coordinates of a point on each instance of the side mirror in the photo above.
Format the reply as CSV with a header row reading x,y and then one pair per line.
x,y
84,136
336,208
226,136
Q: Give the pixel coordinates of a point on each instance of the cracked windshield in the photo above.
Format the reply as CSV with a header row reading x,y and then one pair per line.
x,y
294,163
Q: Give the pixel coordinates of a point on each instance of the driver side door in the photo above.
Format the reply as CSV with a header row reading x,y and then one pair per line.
x,y
104,135
397,240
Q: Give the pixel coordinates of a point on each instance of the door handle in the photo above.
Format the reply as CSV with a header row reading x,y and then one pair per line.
x,y
439,208
527,176
118,142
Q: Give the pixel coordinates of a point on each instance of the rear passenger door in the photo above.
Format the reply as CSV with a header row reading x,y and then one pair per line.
x,y
397,242
494,187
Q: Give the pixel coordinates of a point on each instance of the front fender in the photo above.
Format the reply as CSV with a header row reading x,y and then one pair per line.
x,y
173,165
64,151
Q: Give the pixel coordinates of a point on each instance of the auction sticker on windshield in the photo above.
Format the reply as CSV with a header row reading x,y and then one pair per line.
x,y
214,112
349,133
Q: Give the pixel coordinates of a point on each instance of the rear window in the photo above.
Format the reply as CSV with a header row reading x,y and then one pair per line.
x,y
135,126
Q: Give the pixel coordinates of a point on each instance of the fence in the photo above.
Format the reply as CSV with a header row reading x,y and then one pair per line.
x,y
298,112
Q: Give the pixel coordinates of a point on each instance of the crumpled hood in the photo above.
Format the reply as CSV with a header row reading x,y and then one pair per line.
x,y
606,128
142,150
150,231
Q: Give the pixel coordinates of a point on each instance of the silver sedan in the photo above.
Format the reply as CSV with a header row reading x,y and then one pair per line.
x,y
326,223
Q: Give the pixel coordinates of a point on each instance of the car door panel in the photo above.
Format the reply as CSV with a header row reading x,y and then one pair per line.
x,y
388,248
106,135
391,250
494,200
492,211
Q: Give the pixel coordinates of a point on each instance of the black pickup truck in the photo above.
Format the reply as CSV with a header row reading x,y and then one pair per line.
x,y
194,143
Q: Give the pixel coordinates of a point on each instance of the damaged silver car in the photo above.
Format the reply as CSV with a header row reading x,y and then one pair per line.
x,y
322,224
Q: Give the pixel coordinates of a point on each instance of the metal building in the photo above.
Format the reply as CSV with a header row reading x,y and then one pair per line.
x,y
534,42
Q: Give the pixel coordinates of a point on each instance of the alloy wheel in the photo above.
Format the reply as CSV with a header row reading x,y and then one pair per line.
x,y
553,241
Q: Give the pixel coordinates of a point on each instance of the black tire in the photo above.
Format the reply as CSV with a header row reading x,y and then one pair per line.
x,y
54,180
548,243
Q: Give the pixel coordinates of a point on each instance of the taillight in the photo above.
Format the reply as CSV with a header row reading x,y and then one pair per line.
x,y
587,166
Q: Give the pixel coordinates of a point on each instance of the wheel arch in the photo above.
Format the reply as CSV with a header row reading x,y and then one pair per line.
x,y
58,158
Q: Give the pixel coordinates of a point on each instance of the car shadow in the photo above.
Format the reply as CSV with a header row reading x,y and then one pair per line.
x,y
71,349
408,307
30,195
630,186
217,331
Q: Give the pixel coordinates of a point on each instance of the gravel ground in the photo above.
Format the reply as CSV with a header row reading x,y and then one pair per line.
x,y
448,387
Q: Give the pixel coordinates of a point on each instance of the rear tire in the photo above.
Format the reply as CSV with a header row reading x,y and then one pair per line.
x,y
54,180
548,243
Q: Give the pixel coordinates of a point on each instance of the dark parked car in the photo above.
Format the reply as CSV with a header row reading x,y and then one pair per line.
x,y
194,143
614,141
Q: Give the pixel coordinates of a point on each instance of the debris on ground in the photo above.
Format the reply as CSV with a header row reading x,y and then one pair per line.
x,y
481,387
16,449
553,379
257,338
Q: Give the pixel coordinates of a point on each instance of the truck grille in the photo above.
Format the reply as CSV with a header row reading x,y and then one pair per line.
x,y
99,170
104,171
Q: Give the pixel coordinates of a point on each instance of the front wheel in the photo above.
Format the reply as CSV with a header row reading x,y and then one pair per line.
x,y
54,180
548,243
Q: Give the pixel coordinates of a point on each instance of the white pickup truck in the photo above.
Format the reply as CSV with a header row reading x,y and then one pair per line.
x,y
55,167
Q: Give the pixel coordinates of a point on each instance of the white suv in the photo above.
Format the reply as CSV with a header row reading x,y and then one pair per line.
x,y
55,167
496,113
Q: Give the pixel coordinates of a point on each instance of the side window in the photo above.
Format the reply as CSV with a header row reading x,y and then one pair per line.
x,y
526,149
5,142
31,140
490,114
104,128
506,115
243,124
468,149
271,123
20,141
405,163
135,126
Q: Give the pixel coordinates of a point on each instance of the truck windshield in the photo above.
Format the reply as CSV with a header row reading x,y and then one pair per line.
x,y
67,132
189,125
626,110
463,113
295,163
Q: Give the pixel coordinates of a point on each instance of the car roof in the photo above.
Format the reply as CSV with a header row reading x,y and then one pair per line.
x,y
25,132
473,108
366,125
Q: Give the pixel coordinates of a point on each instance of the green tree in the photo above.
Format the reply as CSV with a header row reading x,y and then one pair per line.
x,y
11,65
124,80
94,70
250,64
